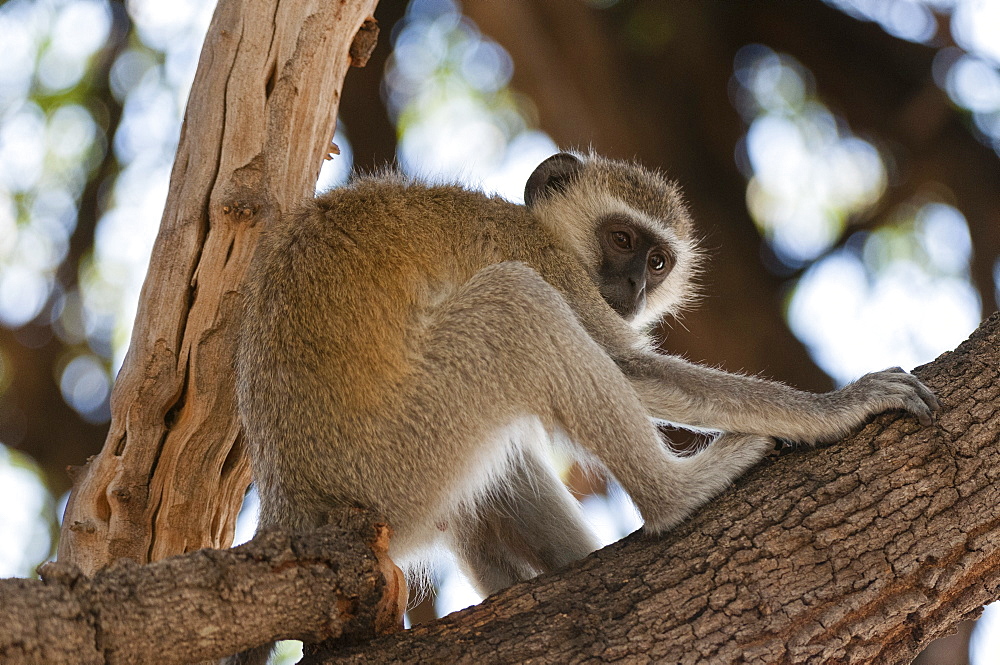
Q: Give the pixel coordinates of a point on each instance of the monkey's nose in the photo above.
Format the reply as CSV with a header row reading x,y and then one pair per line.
x,y
638,288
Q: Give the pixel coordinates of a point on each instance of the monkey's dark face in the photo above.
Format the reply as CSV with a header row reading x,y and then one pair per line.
x,y
633,264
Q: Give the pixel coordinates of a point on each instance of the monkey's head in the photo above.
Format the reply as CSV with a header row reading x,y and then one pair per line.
x,y
629,226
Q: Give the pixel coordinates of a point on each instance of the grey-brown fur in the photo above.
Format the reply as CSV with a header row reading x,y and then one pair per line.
x,y
402,340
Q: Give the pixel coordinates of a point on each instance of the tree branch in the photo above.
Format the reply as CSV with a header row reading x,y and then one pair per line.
x,y
333,582
862,552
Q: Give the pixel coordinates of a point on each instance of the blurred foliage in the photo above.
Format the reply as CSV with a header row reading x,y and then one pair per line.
x,y
91,99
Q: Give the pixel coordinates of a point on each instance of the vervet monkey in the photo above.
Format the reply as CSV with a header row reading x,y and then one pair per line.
x,y
403,342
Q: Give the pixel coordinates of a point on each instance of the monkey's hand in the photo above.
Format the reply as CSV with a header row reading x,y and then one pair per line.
x,y
889,389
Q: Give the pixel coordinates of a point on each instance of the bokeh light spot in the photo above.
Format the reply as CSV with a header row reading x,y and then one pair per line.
x,y
86,386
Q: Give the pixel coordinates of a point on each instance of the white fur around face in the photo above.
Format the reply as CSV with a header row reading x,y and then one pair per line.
x,y
572,216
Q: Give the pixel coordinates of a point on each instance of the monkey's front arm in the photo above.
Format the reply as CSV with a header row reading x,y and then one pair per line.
x,y
686,393
682,392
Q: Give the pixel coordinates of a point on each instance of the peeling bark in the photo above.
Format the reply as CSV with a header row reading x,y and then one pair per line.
x,y
261,115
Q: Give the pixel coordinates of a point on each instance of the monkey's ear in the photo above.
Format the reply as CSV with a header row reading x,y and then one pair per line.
x,y
552,175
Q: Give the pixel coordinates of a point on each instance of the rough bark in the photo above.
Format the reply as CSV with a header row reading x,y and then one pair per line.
x,y
858,553
206,604
261,116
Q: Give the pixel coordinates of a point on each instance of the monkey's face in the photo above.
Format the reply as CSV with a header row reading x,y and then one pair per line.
x,y
629,227
634,262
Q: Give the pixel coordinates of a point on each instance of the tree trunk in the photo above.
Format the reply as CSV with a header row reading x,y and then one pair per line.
x,y
261,115
862,552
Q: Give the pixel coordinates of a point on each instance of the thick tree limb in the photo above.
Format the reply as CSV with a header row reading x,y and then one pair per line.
x,y
858,553
206,604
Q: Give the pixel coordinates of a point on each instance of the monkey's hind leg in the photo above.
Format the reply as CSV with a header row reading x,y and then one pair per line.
x,y
505,346
526,525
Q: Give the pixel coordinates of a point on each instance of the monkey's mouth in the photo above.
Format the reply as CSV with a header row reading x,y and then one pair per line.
x,y
630,308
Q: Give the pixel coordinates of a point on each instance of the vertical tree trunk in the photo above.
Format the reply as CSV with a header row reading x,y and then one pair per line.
x,y
261,114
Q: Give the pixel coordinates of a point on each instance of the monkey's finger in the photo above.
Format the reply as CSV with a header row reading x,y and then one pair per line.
x,y
922,391
924,415
914,402
930,399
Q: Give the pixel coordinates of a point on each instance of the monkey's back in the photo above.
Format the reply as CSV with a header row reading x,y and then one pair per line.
x,y
341,291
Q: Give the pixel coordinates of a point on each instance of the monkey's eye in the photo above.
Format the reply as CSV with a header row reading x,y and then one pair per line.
x,y
621,240
657,262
